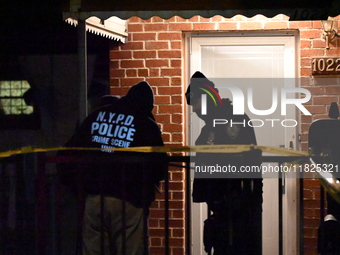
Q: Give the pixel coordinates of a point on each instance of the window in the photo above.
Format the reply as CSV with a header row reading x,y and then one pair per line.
x,y
11,97
17,110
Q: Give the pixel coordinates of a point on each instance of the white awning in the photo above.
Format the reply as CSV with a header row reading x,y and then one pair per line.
x,y
113,28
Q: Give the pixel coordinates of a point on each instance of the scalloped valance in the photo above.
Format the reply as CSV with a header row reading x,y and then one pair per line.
x,y
145,9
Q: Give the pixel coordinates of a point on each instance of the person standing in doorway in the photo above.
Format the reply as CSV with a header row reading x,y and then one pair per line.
x,y
234,226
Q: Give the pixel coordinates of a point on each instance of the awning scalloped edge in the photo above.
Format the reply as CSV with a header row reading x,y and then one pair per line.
x,y
293,14
113,28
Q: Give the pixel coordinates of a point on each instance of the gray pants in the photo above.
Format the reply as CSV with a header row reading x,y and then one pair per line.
x,y
110,224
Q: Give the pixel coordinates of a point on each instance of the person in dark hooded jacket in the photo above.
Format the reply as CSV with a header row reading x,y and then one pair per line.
x,y
234,228
120,186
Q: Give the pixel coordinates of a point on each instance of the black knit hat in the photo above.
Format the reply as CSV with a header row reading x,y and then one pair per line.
x,y
141,96
197,82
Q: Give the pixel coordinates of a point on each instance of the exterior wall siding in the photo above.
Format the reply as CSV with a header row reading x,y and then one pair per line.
x,y
155,52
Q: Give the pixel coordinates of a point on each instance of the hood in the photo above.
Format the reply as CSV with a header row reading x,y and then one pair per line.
x,y
198,84
141,97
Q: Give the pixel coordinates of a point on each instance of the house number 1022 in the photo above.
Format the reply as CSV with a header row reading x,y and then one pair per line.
x,y
326,66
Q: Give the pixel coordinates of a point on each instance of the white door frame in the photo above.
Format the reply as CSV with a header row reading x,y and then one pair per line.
x,y
290,232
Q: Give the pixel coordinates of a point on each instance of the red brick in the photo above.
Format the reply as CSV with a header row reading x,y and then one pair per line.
x,y
117,72
177,138
157,250
118,91
156,213
316,90
176,99
133,46
324,100
170,109
176,242
130,81
132,63
172,128
313,109
134,28
156,27
170,91
305,71
194,18
311,34
326,81
177,232
176,176
178,195
157,63
173,223
169,54
154,72
144,36
177,251
162,118
317,24
332,90
305,44
276,25
166,137
134,19
227,26
158,81
204,26
162,99
176,81
217,18
312,52
156,45
308,194
131,72
176,63
170,36
145,54
143,72
305,62
175,45
157,19
176,118
176,186
180,26
114,82
171,72
318,43
154,223
310,232
310,184
300,24
120,54
155,242
250,25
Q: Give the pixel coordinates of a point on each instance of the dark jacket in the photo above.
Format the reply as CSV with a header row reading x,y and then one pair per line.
x,y
217,189
127,122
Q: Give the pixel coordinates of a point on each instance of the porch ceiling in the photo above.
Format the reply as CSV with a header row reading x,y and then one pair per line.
x,y
295,9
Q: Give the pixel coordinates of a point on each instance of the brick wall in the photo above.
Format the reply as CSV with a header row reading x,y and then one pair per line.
x,y
324,91
155,53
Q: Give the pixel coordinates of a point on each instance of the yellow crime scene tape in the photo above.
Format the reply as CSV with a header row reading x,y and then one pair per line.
x,y
330,184
223,148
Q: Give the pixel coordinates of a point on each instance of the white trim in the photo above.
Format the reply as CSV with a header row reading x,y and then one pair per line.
x,y
113,28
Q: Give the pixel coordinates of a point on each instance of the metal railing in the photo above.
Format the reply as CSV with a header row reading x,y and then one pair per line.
x,y
38,217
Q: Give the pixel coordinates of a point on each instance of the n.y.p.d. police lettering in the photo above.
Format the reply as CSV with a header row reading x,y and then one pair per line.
x,y
112,130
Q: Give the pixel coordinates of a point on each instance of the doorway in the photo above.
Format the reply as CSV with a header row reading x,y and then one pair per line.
x,y
263,62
